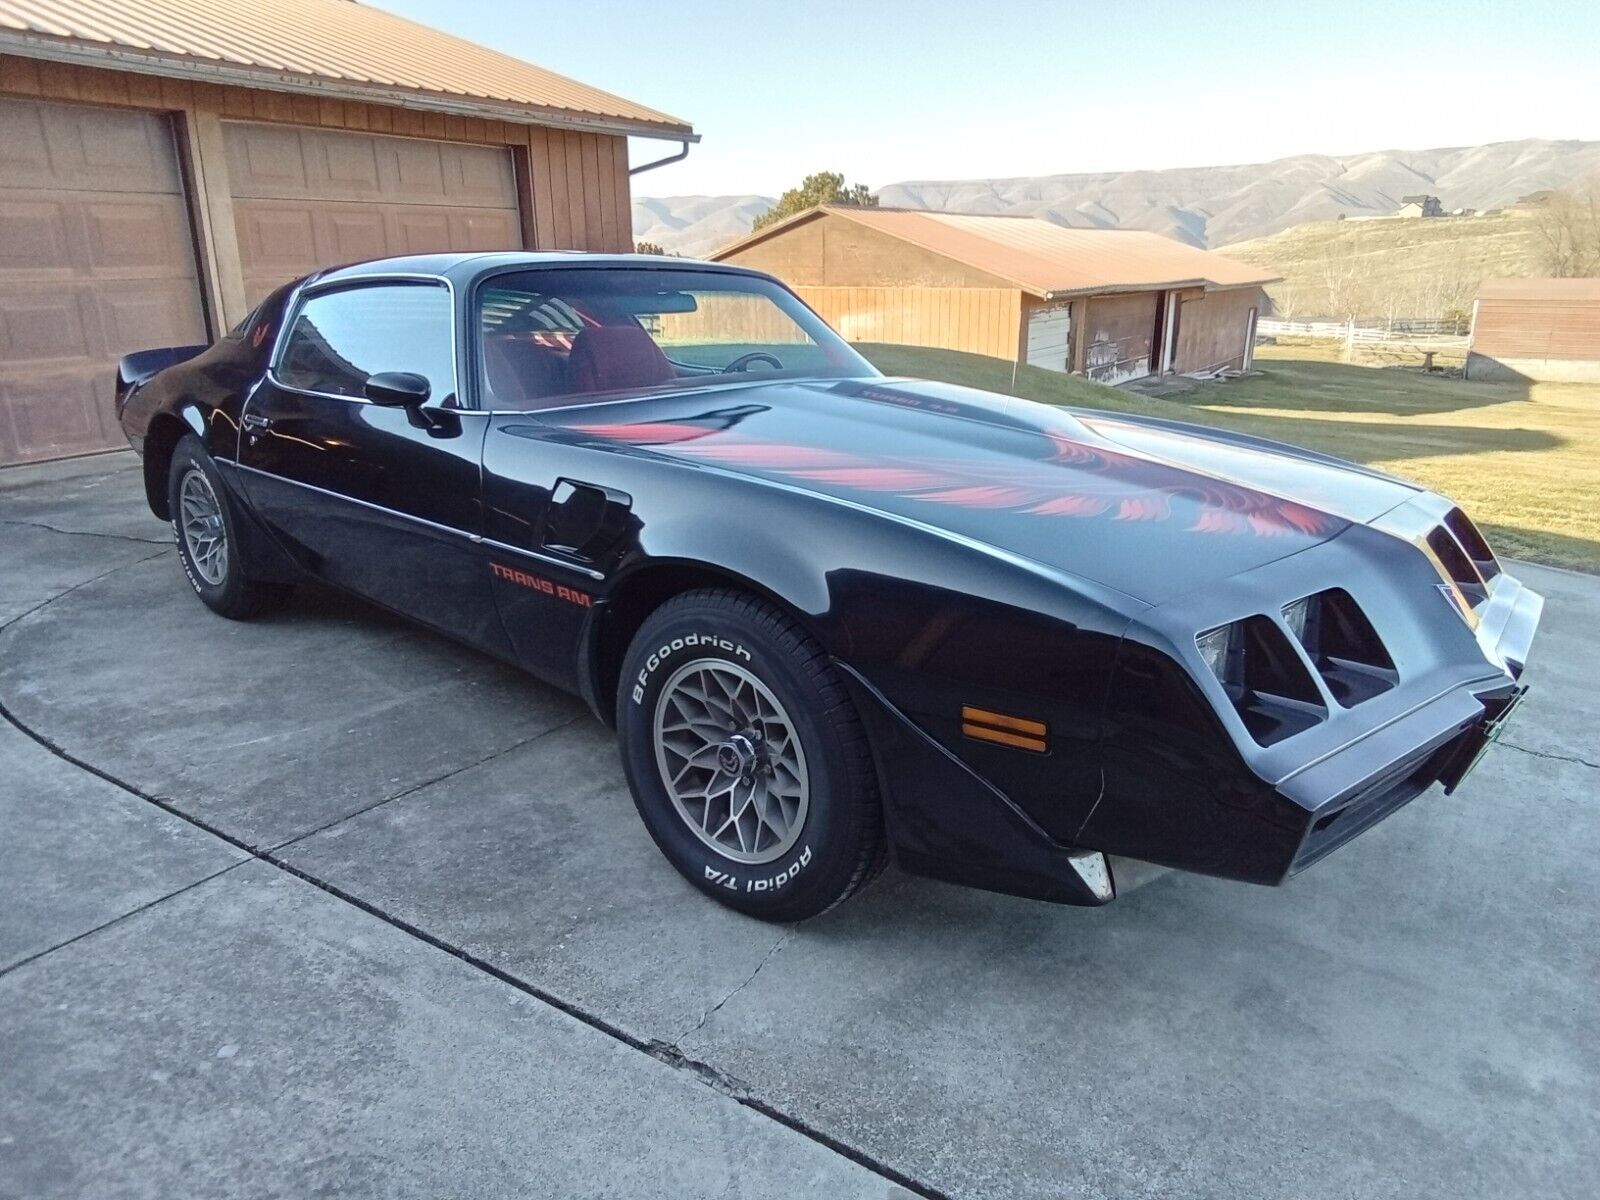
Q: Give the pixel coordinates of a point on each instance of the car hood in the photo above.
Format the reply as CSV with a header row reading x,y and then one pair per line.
x,y
1150,508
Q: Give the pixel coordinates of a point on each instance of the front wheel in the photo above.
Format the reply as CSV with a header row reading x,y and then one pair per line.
x,y
746,758
205,528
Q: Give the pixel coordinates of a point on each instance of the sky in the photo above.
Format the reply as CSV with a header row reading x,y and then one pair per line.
x,y
888,91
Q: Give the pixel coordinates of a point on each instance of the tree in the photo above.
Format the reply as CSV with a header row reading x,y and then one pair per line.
x,y
647,248
825,187
1569,228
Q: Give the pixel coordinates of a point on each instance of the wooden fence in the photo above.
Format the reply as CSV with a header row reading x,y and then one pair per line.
x,y
976,320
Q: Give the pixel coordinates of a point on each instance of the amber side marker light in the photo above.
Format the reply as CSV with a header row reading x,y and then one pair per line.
x,y
1017,732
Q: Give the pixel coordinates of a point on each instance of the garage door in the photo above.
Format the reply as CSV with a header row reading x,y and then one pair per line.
x,y
1049,336
310,198
96,260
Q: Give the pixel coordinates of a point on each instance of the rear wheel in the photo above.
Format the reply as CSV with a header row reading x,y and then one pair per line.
x,y
746,757
204,527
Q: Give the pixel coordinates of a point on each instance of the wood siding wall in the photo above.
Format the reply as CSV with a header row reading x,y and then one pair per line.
x,y
1538,329
1553,340
1212,329
976,320
573,186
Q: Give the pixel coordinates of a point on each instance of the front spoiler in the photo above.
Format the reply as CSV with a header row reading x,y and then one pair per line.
x,y
946,821
1353,789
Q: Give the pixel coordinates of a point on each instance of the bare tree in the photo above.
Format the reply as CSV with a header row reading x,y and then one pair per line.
x,y
1568,223
1285,299
1345,285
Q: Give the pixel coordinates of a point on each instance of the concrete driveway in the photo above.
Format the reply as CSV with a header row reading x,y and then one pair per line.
x,y
324,904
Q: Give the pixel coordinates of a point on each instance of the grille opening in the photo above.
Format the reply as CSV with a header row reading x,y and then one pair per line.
x,y
1270,686
1345,648
1463,572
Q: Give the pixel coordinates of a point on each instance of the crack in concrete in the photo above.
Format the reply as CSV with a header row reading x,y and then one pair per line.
x,y
427,783
94,533
749,979
1566,758
83,584
117,920
669,1056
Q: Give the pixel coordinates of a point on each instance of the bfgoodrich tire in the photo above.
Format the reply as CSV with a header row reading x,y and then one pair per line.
x,y
205,527
746,757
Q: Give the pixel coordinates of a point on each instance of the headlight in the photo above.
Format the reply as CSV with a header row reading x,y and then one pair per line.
x,y
1215,649
1295,616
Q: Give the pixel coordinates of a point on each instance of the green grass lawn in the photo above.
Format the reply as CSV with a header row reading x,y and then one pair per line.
x,y
1523,459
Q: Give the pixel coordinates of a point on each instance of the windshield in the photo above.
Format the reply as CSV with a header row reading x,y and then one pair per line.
x,y
557,337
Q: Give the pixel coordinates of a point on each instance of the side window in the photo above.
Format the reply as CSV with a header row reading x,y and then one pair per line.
x,y
340,338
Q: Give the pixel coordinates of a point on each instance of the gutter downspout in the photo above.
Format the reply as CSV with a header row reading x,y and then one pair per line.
x,y
660,162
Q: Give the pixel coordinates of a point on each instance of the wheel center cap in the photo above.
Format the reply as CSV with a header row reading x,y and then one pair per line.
x,y
737,755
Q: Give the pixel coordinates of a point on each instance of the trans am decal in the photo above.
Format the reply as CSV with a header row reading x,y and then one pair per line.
x,y
540,584
1098,482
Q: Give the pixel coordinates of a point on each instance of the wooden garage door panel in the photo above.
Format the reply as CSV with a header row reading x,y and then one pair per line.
x,y
149,312
52,414
142,236
34,239
268,162
43,325
96,260
311,198
61,146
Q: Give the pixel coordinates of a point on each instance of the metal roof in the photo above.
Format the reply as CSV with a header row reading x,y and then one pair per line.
x,y
1040,257
335,48
1558,290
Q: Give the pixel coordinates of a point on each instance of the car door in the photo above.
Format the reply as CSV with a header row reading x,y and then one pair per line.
x,y
382,500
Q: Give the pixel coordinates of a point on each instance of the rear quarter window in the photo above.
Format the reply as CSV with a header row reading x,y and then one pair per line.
x,y
338,339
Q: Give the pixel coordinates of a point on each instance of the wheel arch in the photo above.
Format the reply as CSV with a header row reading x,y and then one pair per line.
x,y
641,592
166,430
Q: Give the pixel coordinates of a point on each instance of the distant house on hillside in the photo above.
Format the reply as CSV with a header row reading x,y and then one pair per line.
x,y
1420,206
1545,329
1111,304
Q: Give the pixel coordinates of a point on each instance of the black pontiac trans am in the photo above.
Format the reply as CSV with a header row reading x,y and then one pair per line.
x,y
835,616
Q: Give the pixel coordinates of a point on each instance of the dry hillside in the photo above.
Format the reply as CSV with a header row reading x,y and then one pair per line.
x,y
1204,206
1401,268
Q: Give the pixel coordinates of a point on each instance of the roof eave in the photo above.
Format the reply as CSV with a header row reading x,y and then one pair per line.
x,y
745,241
1165,285
175,66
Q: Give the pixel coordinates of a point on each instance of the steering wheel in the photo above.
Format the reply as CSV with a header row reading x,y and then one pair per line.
x,y
742,363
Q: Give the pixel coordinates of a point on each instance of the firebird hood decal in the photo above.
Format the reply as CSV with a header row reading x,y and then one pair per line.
x,y
1136,508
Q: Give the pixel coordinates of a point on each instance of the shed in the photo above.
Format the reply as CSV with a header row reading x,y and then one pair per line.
x,y
1114,305
1542,329
166,165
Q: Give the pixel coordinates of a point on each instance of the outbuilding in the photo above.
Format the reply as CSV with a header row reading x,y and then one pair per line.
x,y
1541,329
1111,304
166,165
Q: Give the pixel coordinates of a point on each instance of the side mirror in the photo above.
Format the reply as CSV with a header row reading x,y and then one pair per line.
x,y
398,389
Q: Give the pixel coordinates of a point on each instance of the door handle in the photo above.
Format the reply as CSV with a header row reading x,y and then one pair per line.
x,y
254,423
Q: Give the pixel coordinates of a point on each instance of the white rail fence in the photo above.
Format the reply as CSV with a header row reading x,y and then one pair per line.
x,y
1437,336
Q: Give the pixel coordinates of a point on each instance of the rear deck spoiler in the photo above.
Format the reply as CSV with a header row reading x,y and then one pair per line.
x,y
136,369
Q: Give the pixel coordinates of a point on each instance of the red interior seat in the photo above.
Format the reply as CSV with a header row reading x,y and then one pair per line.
x,y
608,358
523,374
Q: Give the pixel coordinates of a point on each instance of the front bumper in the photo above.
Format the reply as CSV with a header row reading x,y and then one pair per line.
x,y
1438,758
1440,742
